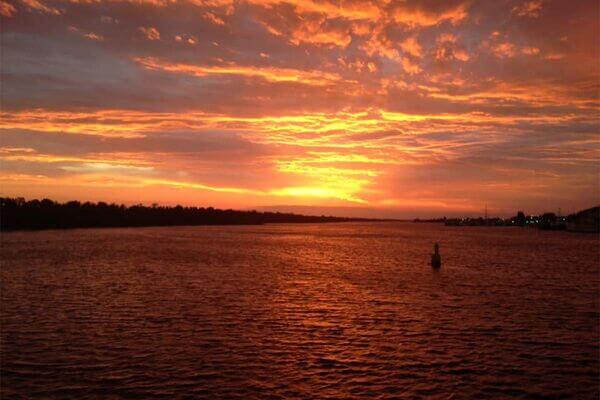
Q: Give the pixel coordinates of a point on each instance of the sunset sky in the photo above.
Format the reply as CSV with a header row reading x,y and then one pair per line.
x,y
395,108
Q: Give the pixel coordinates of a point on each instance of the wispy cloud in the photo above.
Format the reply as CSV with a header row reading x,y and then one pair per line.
x,y
271,74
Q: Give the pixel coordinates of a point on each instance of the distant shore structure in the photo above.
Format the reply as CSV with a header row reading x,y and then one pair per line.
x,y
587,221
436,258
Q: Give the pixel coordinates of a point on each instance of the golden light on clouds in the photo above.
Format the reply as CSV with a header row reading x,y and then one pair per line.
x,y
270,74
413,107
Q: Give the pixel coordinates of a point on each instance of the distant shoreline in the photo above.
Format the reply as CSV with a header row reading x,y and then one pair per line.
x,y
18,214
584,221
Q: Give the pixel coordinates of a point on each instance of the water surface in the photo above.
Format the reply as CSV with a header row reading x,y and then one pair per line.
x,y
335,311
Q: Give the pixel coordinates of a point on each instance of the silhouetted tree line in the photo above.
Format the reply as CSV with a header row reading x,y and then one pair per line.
x,y
19,214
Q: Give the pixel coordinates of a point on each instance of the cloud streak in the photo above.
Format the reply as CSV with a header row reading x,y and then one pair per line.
x,y
270,74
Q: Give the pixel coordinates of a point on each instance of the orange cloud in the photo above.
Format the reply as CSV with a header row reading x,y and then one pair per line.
x,y
530,9
272,74
214,19
358,65
31,155
361,28
504,50
410,67
150,33
7,9
352,11
412,47
379,44
461,55
185,39
93,36
157,3
448,49
530,51
316,32
88,35
273,31
414,18
299,130
41,7
192,185
446,37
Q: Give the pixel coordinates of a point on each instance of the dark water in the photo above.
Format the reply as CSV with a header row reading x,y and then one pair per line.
x,y
300,311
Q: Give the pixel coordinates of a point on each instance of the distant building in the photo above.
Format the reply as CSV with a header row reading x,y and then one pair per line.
x,y
550,221
585,221
520,219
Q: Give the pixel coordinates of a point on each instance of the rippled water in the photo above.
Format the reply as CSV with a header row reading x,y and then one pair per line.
x,y
300,311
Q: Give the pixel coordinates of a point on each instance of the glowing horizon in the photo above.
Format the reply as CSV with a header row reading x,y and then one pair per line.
x,y
409,108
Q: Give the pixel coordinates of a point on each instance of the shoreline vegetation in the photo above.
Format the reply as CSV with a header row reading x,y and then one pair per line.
x,y
20,214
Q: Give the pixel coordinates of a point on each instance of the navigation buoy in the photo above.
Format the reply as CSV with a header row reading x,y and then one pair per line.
x,y
436,259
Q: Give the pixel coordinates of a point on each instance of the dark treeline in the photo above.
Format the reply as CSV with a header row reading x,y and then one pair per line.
x,y
19,214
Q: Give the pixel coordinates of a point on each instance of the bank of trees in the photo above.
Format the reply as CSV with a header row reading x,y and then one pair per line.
x,y
19,214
